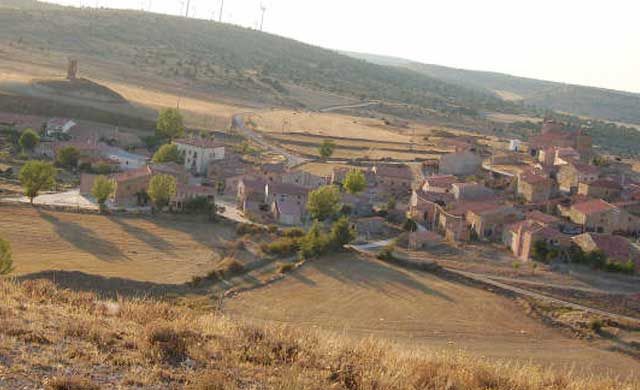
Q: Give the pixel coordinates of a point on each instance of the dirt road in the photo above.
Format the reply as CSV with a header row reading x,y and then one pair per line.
x,y
364,297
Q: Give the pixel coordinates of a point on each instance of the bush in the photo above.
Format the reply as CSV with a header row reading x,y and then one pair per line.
x,y
284,268
315,243
293,232
230,267
248,228
283,246
167,345
386,253
70,383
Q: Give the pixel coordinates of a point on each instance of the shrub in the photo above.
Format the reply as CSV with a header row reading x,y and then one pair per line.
x,y
293,232
230,266
282,246
315,243
70,383
209,380
342,233
248,228
284,268
167,345
386,253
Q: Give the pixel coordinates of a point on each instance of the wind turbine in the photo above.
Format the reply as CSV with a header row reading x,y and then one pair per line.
x,y
263,9
221,9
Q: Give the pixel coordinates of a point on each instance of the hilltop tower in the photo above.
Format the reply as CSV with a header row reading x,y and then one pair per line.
x,y
72,69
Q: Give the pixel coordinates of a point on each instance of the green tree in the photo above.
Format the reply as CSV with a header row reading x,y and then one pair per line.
x,y
102,189
540,250
29,139
314,243
324,202
6,259
327,148
167,153
355,181
410,225
170,124
342,233
67,157
161,189
36,176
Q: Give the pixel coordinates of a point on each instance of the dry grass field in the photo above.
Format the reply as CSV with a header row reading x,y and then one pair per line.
x,y
144,94
59,339
327,124
162,251
360,297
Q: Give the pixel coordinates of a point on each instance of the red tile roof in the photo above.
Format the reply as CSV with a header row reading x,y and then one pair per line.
x,y
606,183
593,206
541,217
401,172
441,181
133,174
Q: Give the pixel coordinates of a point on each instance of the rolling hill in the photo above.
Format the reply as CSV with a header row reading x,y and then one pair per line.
x,y
578,100
225,58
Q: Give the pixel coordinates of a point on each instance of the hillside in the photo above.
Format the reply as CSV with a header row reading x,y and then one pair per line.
x,y
58,339
579,100
224,58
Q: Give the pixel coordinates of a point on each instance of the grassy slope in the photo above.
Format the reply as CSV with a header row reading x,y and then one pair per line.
x,y
588,101
44,331
225,57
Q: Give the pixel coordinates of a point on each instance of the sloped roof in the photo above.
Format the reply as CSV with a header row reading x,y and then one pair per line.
x,y
133,174
593,206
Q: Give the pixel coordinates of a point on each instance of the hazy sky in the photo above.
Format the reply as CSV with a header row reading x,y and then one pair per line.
x,y
589,42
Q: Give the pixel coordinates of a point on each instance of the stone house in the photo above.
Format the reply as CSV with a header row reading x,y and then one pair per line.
x,y
617,248
520,237
368,228
424,206
471,192
251,195
534,187
199,152
439,184
186,192
131,187
304,179
396,180
606,189
598,216
462,163
574,173
282,191
288,211
488,222
272,172
171,169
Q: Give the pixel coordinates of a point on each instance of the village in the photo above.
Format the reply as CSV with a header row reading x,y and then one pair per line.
x,y
551,199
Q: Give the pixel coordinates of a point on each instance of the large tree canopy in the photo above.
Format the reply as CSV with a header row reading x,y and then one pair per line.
x,y
36,176
170,123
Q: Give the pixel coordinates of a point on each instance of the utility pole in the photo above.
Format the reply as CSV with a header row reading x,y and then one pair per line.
x,y
186,14
221,9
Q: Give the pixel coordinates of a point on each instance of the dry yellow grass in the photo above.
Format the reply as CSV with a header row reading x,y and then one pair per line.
x,y
57,339
159,250
327,124
362,297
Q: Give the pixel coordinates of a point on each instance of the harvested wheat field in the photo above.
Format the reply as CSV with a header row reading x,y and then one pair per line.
x,y
361,297
161,251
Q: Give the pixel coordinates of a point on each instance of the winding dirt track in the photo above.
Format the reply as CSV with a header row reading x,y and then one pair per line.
x,y
362,297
